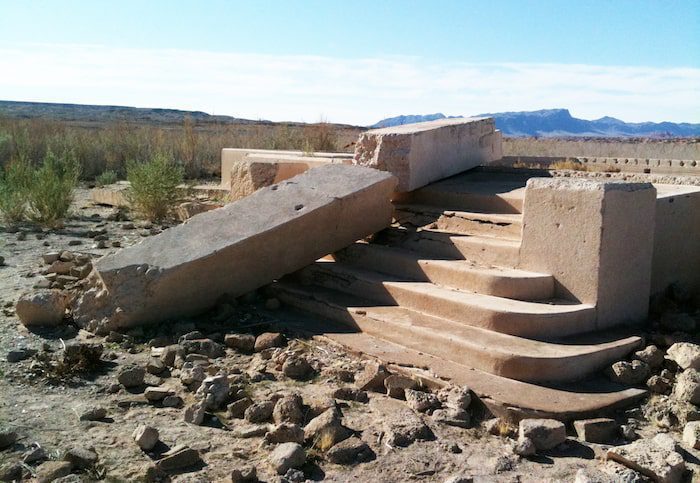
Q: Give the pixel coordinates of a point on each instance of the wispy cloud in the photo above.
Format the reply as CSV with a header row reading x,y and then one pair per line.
x,y
360,91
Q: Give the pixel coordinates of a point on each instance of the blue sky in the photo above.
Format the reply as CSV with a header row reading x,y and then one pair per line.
x,y
357,61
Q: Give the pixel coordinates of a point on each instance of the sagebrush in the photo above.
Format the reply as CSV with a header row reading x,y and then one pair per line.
x,y
153,189
51,189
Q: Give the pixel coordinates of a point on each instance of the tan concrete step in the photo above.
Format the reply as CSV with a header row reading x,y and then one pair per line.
x,y
501,354
472,191
500,225
447,245
460,274
525,319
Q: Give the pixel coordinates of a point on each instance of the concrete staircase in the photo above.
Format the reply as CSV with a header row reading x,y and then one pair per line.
x,y
442,283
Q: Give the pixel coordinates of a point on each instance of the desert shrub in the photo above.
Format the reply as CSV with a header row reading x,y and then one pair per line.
x,y
51,188
153,190
106,177
15,182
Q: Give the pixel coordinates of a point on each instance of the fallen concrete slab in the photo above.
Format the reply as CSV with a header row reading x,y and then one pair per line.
x,y
237,248
421,153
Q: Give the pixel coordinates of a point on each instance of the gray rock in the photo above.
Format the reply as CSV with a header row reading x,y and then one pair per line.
x,y
34,455
259,412
52,470
654,458
205,347
372,378
421,401
458,397
287,456
687,386
172,401
598,430
81,458
21,354
350,394
155,366
297,368
524,447
194,414
146,437
94,413
651,355
268,340
50,257
11,472
285,433
42,308
406,428
177,458
452,417
397,384
237,408
326,429
244,474
544,433
214,391
629,373
349,451
154,394
288,409
240,342
685,354
659,385
7,438
131,376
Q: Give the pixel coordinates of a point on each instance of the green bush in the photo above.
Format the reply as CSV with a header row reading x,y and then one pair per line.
x,y
153,190
107,177
15,183
51,189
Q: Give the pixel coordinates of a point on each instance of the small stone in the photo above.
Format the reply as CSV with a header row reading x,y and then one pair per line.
x,y
326,429
287,456
259,412
237,408
629,373
659,385
268,340
42,308
214,391
157,393
524,447
11,472
18,355
372,378
7,438
288,409
93,414
177,458
81,458
599,430
544,433
687,386
244,475
452,417
685,354
205,347
146,437
155,366
397,384
655,458
131,376
52,470
60,267
50,257
251,431
458,397
72,243
349,451
272,304
350,394
194,414
297,368
240,342
421,401
406,428
629,432
34,455
172,401
285,433
651,355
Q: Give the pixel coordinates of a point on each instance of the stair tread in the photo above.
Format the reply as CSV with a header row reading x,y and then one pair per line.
x,y
510,218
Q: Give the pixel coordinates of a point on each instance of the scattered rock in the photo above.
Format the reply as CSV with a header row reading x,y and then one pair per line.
x,y
52,470
245,474
42,308
458,397
288,409
685,354
396,385
350,394
237,409
297,368
421,401
659,385
172,401
629,373
687,386
259,412
268,340
406,428
599,430
131,376
194,414
205,347
155,366
452,417
157,393
651,355
524,447
81,458
285,433
93,414
50,257
214,391
7,438
146,437
240,342
34,455
177,458
287,456
21,354
11,472
372,378
168,355
544,433
326,430
349,451
654,458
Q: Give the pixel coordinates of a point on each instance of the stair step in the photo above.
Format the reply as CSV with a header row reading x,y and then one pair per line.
x,y
459,274
462,222
447,245
471,192
515,317
496,353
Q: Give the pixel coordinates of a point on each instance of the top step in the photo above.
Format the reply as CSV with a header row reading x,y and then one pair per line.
x,y
472,191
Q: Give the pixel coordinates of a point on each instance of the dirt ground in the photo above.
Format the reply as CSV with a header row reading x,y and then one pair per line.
x,y
44,411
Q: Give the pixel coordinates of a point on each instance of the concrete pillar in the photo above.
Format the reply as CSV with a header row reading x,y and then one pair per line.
x,y
596,239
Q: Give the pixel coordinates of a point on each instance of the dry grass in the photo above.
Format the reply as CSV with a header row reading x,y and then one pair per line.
x,y
603,147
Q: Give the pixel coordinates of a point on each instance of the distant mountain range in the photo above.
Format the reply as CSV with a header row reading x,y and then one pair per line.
x,y
560,123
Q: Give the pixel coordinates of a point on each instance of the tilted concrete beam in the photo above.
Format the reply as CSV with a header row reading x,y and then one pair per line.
x,y
237,248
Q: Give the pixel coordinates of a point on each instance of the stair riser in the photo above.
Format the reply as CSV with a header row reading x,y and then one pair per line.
x,y
446,247
528,369
397,264
460,224
464,201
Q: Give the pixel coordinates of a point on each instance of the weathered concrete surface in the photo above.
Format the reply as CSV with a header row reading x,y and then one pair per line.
x,y
676,256
421,153
596,239
237,248
244,171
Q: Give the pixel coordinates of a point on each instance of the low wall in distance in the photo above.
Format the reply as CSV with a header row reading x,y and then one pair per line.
x,y
630,165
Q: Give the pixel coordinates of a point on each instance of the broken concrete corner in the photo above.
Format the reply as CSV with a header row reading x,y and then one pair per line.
x,y
184,270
